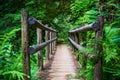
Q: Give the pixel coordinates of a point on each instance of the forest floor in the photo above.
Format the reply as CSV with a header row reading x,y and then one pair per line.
x,y
63,65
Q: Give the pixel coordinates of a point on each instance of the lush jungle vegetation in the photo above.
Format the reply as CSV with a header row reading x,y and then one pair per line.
x,y
62,15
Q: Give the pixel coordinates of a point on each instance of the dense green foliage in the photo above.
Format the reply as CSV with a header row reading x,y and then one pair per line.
x,y
62,15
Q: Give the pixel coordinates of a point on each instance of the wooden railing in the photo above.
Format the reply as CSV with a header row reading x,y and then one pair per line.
x,y
75,40
27,50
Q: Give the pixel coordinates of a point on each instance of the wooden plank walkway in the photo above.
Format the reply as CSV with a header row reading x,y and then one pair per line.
x,y
63,66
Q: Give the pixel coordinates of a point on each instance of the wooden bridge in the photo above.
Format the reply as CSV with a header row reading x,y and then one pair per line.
x,y
60,63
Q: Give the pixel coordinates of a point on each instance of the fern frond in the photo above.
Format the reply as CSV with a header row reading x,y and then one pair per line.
x,y
15,75
6,37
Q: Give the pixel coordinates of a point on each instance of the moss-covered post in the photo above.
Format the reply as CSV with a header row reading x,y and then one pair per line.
x,y
99,49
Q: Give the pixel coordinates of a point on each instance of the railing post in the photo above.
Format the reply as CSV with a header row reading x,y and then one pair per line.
x,y
84,39
52,46
78,39
74,40
98,49
25,44
51,43
55,41
40,57
72,37
84,45
47,47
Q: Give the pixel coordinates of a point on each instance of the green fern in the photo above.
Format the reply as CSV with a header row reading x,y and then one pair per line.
x,y
7,54
5,38
15,75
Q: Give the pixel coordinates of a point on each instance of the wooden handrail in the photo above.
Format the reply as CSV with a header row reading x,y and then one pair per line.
x,y
92,26
38,23
74,39
81,48
49,43
77,46
37,47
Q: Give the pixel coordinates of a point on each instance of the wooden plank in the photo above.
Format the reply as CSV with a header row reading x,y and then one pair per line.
x,y
25,45
39,41
92,26
38,23
35,48
99,49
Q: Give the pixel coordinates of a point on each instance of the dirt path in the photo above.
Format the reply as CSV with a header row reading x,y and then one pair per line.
x,y
63,65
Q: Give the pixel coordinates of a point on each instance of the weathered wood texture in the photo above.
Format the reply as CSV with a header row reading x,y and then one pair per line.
x,y
50,43
72,37
25,44
54,41
38,23
98,49
39,41
92,26
75,39
77,46
47,46
36,48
